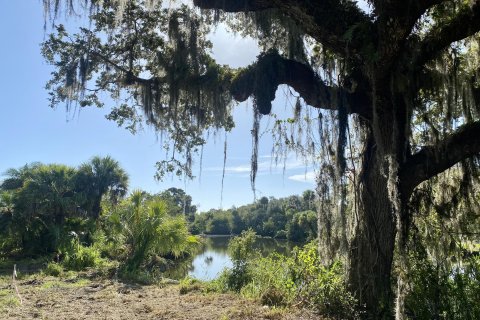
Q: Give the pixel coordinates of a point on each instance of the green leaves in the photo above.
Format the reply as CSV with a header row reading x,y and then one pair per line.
x,y
143,225
98,177
241,248
44,201
154,63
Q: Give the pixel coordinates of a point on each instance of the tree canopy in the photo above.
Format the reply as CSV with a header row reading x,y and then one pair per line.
x,y
397,83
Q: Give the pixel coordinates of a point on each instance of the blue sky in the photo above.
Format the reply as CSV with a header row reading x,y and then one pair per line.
x,y
31,131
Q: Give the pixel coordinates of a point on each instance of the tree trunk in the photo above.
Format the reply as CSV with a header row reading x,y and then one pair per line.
x,y
96,207
372,247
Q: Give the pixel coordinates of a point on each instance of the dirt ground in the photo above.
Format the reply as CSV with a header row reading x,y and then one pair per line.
x,y
53,298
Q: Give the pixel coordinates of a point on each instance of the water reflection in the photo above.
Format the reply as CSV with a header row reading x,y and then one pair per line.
x,y
208,264
213,257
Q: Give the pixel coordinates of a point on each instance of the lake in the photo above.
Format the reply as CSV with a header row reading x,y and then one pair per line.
x,y
213,258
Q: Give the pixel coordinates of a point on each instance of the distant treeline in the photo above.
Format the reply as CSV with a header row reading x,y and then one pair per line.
x,y
293,218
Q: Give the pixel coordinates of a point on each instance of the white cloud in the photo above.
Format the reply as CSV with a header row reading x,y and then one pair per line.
x,y
307,177
263,166
234,50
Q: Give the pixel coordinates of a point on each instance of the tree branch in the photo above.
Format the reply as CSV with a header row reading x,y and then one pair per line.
x,y
432,160
408,12
262,79
412,8
463,25
234,5
395,22
338,25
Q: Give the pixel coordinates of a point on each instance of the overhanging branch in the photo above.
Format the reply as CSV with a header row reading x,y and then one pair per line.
x,y
339,25
234,5
262,79
412,8
463,25
432,160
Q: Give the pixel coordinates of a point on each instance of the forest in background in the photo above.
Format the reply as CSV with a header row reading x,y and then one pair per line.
x,y
293,218
44,207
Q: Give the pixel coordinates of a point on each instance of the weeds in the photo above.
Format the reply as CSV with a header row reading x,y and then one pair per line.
x,y
189,284
281,281
53,269
8,301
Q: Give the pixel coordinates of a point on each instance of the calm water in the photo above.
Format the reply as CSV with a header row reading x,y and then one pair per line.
x,y
214,257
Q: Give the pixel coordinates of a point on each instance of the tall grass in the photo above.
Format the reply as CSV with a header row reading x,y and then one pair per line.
x,y
286,281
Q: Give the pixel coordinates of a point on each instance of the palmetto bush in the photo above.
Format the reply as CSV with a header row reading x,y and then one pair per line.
x,y
140,227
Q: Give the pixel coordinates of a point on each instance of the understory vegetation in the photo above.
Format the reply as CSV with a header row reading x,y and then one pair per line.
x,y
303,280
80,218
281,281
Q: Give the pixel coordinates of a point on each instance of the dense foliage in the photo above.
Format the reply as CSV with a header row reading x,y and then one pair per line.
x,y
43,205
280,281
79,216
291,218
143,227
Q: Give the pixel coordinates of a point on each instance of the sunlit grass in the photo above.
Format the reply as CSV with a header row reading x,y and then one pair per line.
x,y
8,299
60,284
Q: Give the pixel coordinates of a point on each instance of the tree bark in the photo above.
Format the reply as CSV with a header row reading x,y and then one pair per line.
x,y
372,247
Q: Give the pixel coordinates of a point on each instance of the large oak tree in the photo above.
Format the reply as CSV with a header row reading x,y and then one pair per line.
x,y
407,71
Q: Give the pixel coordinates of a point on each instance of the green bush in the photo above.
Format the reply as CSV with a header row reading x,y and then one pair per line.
x,y
189,284
111,248
141,227
277,280
272,278
82,258
442,292
241,251
53,269
322,287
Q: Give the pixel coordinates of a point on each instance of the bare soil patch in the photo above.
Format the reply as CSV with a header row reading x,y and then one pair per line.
x,y
77,298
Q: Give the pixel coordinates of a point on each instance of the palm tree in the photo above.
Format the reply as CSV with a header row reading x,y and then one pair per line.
x,y
41,197
98,177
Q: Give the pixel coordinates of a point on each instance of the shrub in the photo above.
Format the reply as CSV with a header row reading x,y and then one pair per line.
x,y
189,284
321,287
112,248
140,227
238,276
277,280
82,258
241,247
241,250
272,276
441,291
53,269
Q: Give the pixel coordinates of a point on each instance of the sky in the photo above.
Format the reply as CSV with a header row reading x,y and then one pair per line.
x,y
31,131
